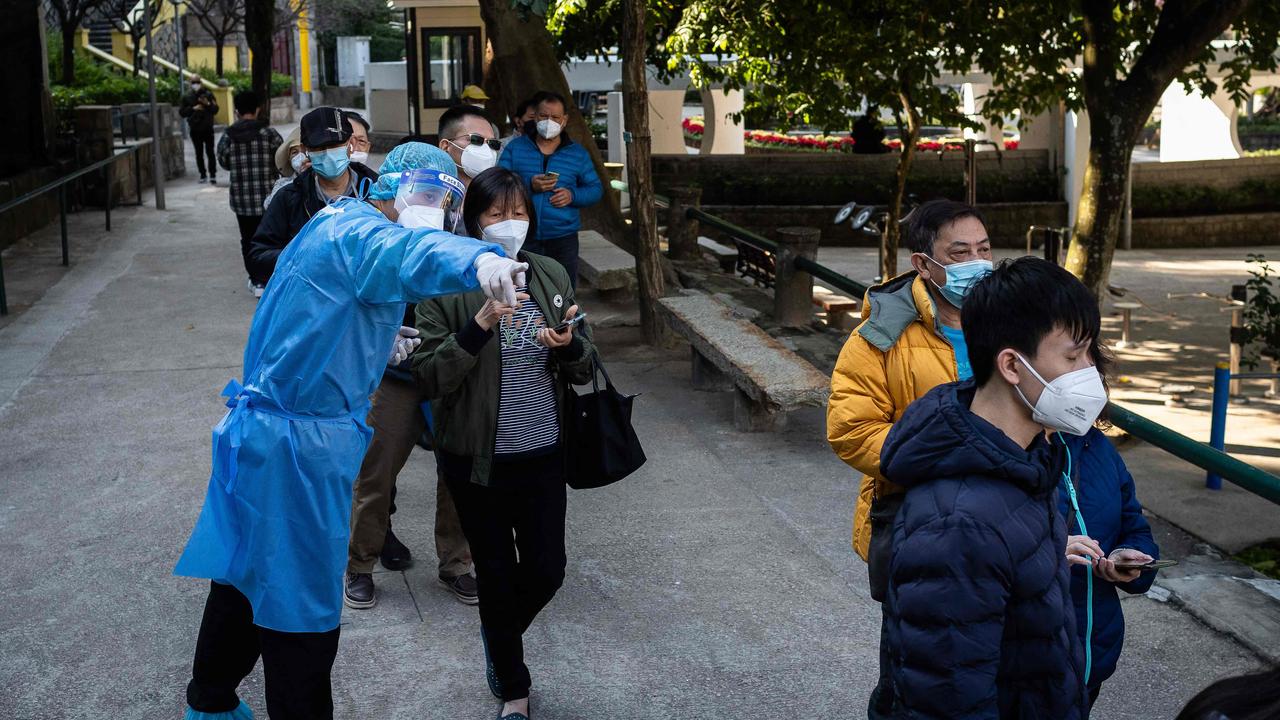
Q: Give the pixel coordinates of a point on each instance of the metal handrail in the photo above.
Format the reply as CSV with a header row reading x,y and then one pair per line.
x,y
1249,477
60,185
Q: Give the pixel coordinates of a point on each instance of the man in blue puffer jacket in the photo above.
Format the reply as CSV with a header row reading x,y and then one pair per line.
x,y
1113,516
979,615
561,178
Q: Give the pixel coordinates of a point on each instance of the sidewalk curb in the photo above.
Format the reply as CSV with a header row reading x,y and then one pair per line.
x,y
1245,609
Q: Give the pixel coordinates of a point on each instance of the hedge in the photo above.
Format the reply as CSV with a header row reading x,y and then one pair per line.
x,y
1186,200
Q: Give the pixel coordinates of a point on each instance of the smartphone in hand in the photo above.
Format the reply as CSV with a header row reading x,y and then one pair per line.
x,y
577,319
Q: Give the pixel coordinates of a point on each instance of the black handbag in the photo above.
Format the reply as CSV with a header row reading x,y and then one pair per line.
x,y
604,447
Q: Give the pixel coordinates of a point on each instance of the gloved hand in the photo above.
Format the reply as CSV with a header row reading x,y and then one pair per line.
x,y
407,341
499,277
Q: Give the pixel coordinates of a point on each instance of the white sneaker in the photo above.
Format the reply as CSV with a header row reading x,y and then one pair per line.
x,y
255,288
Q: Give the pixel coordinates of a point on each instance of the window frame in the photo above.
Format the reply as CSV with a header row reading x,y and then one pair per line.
x,y
472,64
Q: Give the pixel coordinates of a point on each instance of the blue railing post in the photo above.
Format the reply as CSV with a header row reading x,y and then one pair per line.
x,y
1218,419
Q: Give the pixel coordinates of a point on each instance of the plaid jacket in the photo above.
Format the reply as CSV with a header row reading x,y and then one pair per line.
x,y
247,149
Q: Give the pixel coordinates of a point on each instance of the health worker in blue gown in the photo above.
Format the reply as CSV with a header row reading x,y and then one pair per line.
x,y
272,536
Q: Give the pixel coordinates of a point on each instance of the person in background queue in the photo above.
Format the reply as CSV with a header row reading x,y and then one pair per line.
x,y
560,176
326,137
908,343
291,160
469,136
247,151
522,116
359,145
200,108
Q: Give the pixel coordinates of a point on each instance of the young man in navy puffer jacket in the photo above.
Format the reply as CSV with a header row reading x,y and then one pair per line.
x,y
980,619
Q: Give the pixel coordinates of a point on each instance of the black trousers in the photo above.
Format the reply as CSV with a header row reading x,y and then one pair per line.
x,y
296,665
203,141
248,226
527,499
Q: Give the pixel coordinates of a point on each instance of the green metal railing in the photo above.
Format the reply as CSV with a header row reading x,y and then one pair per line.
x,y
1249,477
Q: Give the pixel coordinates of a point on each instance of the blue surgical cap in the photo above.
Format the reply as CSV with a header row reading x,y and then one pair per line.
x,y
409,156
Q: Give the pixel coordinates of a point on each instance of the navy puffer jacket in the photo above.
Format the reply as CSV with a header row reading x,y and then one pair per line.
x,y
980,622
1113,516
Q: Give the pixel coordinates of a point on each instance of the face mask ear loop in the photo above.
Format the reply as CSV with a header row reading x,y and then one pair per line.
x,y
1075,505
363,187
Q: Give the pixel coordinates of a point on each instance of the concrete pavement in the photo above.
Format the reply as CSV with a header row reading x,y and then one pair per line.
x,y
717,581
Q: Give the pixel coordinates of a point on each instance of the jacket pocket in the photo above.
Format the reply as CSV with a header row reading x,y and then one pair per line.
x,y
884,511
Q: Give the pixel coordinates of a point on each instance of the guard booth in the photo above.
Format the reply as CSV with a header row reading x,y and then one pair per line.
x,y
445,44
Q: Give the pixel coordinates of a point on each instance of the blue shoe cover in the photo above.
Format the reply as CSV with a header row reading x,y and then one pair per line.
x,y
240,713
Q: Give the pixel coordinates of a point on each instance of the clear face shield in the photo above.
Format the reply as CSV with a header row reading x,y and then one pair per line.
x,y
429,198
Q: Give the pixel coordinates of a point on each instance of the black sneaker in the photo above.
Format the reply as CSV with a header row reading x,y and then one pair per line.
x,y
395,556
463,587
203,179
213,179
358,591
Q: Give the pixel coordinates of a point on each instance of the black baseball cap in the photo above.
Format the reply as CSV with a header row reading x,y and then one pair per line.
x,y
324,126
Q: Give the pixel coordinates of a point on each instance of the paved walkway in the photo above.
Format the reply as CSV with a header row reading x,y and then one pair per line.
x,y
716,582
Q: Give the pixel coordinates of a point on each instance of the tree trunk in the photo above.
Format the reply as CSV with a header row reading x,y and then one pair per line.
x,y
68,54
1093,240
644,221
523,51
892,236
259,27
219,42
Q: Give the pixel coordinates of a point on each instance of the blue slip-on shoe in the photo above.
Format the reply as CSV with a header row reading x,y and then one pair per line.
x,y
242,712
490,676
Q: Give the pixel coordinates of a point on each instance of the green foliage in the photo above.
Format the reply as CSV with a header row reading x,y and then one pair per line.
x,y
594,27
242,80
1259,126
1264,558
371,18
1188,200
1261,313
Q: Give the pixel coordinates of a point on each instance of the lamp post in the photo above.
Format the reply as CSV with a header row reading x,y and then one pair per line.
x,y
181,53
157,166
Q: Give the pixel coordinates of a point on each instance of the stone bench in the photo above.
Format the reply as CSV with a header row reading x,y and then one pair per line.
x,y
730,353
723,254
841,310
606,267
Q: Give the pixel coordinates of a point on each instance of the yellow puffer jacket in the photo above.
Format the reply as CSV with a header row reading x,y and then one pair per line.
x,y
893,357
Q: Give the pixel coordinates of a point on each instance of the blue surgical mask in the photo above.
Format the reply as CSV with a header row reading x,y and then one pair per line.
x,y
961,277
331,163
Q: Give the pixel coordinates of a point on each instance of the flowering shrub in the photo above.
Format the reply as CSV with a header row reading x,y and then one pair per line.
x,y
694,127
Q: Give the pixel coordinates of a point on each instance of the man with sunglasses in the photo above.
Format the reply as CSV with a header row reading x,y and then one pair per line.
x,y
470,138
561,177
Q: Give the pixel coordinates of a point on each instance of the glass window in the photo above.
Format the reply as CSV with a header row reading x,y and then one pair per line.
x,y
453,61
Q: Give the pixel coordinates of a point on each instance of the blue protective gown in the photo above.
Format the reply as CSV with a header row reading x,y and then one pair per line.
x,y
276,516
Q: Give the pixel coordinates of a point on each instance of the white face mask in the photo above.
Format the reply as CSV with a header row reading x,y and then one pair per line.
x,y
359,156
477,158
421,216
297,161
509,234
549,129
1069,404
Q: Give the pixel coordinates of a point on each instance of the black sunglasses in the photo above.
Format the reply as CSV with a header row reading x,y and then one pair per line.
x,y
478,139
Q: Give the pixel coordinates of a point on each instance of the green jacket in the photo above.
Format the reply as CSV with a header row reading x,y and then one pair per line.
x,y
459,365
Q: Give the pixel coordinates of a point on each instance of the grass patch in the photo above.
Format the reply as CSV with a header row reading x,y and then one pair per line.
x,y
1265,558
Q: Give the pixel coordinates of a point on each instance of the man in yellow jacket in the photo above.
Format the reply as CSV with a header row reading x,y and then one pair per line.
x,y
909,341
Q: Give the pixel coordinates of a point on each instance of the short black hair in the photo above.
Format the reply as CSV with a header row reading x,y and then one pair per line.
x,y
355,117
1018,304
452,119
247,102
547,96
495,186
521,109
931,217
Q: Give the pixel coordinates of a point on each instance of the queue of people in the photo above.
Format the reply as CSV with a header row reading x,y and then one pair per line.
x,y
997,521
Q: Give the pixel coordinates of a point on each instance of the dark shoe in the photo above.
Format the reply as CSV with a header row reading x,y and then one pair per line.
x,y
512,716
358,592
395,556
213,180
203,179
490,675
464,588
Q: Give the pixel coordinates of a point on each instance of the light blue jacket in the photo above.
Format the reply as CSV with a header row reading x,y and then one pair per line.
x,y
577,173
277,510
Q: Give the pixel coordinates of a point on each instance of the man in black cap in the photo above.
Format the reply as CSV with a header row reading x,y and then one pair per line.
x,y
325,133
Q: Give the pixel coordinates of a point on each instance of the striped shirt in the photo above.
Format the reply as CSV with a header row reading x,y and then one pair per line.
x,y
527,419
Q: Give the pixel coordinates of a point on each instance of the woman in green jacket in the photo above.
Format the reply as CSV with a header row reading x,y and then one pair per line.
x,y
497,376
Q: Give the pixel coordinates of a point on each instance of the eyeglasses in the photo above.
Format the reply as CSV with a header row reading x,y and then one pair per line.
x,y
478,139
